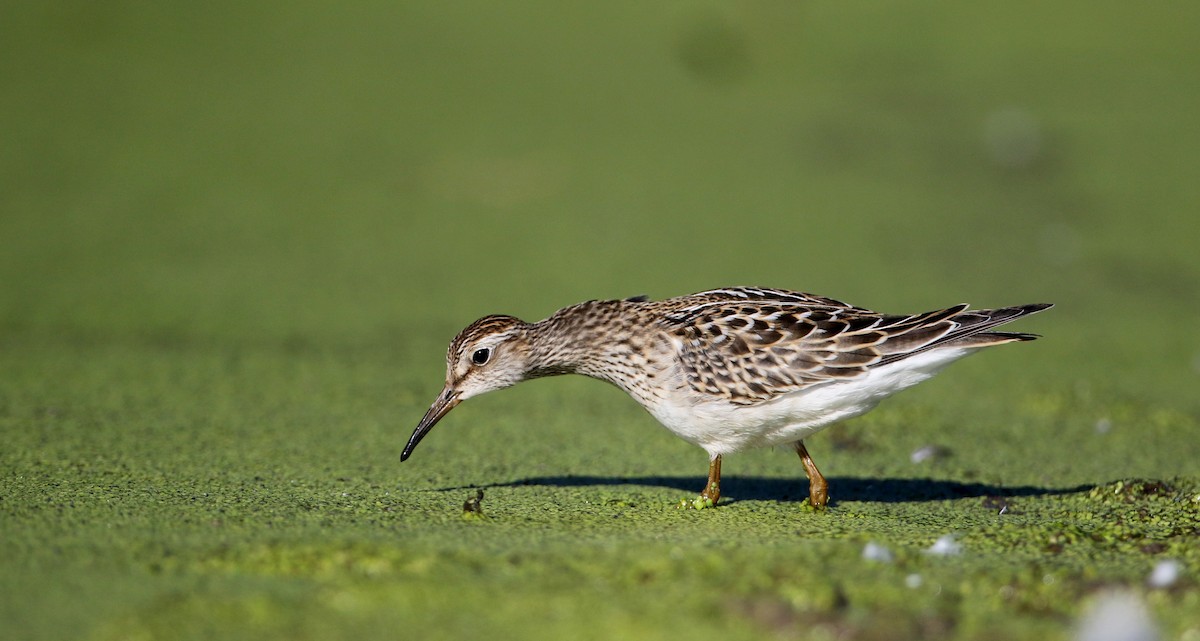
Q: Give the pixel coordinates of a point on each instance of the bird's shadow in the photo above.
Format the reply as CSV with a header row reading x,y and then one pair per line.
x,y
758,488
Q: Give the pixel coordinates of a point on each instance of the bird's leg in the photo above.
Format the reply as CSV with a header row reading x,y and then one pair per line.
x,y
712,489
818,489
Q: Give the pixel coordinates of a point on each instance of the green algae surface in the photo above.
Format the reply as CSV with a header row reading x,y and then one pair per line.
x,y
236,241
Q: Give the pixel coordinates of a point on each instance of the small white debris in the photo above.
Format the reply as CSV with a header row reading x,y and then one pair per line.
x,y
1116,616
876,552
1165,574
945,546
1103,426
913,581
925,453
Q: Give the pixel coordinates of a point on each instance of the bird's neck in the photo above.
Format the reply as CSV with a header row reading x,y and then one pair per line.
x,y
597,339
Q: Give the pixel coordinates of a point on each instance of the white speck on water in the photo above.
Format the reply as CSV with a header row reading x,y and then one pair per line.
x,y
1103,426
1165,574
926,453
1116,616
913,581
945,546
873,551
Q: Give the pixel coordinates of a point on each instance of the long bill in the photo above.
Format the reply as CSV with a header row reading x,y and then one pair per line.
x,y
442,406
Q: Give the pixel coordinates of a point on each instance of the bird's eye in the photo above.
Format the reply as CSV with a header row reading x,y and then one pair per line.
x,y
481,356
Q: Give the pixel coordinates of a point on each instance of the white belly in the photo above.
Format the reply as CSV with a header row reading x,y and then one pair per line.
x,y
721,427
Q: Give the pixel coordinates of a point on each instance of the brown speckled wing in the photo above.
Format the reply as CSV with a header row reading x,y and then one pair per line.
x,y
751,351
754,295
750,345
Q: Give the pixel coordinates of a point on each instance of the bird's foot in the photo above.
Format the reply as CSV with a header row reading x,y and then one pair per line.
x,y
818,494
708,498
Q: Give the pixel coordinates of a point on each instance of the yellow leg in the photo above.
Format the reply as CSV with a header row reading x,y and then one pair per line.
x,y
818,489
712,489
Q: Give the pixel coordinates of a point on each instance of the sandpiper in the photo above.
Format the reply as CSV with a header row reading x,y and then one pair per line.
x,y
726,369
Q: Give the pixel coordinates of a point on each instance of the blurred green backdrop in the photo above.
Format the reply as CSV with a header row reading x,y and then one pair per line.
x,y
180,183
327,171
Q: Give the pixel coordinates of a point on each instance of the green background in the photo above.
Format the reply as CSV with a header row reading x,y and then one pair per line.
x,y
235,239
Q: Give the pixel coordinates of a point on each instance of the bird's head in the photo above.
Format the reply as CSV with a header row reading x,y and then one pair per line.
x,y
490,354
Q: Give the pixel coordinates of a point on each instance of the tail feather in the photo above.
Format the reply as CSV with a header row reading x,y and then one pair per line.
x,y
983,339
971,329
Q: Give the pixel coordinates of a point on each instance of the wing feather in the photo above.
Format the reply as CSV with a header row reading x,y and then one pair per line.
x,y
749,345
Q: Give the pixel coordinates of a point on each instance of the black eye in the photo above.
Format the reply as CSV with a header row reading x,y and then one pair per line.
x,y
481,356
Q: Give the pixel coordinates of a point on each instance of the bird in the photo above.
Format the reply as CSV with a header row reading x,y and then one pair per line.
x,y
726,369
